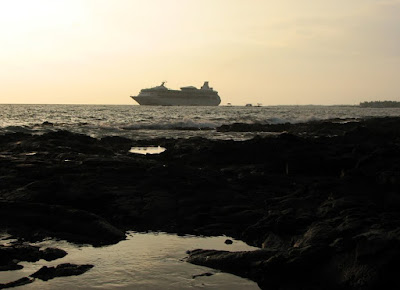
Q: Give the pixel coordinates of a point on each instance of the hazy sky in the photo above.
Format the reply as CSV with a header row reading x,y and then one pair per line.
x,y
252,51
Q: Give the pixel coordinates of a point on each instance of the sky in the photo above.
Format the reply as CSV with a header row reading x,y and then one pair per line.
x,y
272,52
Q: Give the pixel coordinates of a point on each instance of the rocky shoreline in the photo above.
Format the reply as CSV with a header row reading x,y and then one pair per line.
x,y
321,199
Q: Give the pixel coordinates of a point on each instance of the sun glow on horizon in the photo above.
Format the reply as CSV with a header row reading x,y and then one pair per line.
x,y
266,52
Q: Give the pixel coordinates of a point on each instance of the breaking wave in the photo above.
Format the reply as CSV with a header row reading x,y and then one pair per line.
x,y
169,122
180,125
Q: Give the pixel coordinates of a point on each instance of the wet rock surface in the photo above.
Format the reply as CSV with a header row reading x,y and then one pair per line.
x,y
11,255
321,199
19,282
46,273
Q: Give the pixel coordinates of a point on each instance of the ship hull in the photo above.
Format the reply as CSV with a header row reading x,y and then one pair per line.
x,y
154,101
177,98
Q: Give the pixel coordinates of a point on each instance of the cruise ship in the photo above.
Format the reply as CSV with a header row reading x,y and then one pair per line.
x,y
186,96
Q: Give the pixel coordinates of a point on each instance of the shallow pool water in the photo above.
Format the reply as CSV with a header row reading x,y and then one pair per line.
x,y
142,261
147,150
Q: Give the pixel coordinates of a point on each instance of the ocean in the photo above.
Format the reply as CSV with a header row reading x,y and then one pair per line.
x,y
141,122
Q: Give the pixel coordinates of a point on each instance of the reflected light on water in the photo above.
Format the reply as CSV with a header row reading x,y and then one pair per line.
x,y
147,150
142,261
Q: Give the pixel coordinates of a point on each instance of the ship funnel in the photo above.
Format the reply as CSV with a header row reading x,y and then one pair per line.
x,y
205,86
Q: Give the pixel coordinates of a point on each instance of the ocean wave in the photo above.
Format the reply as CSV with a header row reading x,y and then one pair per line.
x,y
146,122
178,125
105,128
302,119
17,129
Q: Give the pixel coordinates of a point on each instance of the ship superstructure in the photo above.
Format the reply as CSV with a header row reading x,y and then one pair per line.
x,y
186,96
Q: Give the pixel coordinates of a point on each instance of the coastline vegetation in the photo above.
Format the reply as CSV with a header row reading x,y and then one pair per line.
x,y
380,104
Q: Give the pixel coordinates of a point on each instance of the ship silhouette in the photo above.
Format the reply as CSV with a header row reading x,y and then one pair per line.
x,y
186,96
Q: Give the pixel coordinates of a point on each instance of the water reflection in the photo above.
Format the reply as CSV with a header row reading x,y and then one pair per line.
x,y
143,261
147,150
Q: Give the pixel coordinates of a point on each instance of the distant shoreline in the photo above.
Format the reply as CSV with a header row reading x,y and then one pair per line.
x,y
380,104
